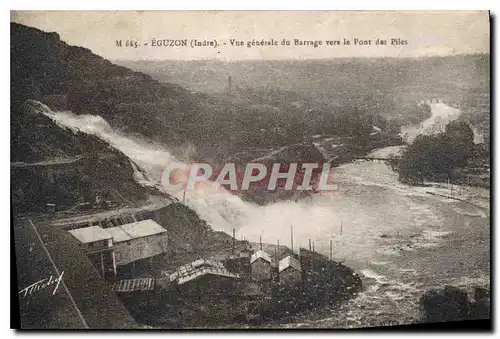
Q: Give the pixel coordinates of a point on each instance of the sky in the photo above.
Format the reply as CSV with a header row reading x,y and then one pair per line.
x,y
426,33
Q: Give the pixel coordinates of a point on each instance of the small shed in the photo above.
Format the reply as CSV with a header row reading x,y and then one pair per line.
x,y
290,270
260,263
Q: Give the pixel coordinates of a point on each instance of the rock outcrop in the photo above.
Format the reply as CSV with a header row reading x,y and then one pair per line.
x,y
452,304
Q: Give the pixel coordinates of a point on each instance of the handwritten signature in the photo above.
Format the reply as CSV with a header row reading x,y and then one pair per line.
x,y
42,284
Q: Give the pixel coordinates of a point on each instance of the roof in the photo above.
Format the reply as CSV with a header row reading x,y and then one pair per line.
x,y
118,234
198,268
135,230
187,269
90,234
205,271
289,262
260,254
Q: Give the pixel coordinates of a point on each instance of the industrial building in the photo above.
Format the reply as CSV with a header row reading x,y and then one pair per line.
x,y
138,240
290,270
121,245
260,263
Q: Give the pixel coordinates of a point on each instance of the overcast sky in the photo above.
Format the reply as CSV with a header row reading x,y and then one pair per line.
x,y
427,33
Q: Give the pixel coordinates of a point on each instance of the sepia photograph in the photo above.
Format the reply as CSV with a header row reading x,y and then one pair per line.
x,y
250,170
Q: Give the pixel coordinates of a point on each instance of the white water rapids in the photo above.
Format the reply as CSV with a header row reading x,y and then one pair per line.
x,y
397,237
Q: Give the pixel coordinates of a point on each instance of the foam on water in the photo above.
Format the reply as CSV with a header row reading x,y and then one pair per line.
x,y
368,273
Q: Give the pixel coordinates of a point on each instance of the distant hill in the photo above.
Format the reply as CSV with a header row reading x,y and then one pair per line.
x,y
385,87
339,79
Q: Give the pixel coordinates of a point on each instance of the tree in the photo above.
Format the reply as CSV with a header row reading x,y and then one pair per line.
x,y
461,133
433,157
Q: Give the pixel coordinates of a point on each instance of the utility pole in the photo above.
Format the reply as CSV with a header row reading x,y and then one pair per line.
x,y
291,237
313,257
278,259
341,227
102,267
234,240
184,194
278,249
260,241
331,249
309,244
300,257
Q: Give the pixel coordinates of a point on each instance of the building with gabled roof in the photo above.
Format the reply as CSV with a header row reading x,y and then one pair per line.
x,y
260,254
290,270
260,263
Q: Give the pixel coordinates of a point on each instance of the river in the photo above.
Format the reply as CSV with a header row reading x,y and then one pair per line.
x,y
401,239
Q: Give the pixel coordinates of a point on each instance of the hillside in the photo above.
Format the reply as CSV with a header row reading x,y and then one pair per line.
x,y
69,77
341,79
51,165
45,68
218,126
74,171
